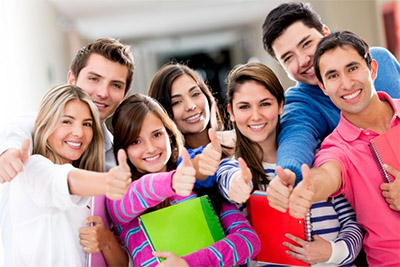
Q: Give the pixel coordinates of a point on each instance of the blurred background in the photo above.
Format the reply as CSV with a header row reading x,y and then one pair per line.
x,y
40,37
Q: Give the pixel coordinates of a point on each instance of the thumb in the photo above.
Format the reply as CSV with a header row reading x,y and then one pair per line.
x,y
25,150
185,158
93,219
246,173
284,176
214,140
305,171
123,160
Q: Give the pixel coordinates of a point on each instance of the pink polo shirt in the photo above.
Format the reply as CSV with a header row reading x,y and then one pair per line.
x,y
348,145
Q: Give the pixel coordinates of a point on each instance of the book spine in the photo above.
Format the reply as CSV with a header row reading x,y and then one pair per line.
x,y
379,162
308,227
214,223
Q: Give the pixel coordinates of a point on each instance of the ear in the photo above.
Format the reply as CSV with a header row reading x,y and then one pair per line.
x,y
71,78
374,69
325,30
231,116
321,85
280,110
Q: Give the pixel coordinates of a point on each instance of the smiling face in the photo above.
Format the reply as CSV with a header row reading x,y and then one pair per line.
x,y
256,112
73,133
189,105
151,150
105,82
295,50
347,79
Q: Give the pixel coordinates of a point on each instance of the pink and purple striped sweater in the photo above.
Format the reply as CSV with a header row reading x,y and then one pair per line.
x,y
240,245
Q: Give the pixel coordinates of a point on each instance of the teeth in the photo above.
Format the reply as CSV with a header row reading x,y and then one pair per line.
x,y
100,105
74,144
153,158
310,70
193,117
353,95
257,126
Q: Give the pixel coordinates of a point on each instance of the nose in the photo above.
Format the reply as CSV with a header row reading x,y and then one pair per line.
x,y
190,105
346,82
255,115
150,147
77,130
102,91
304,60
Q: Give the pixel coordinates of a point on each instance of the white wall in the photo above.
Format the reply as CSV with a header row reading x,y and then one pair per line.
x,y
32,57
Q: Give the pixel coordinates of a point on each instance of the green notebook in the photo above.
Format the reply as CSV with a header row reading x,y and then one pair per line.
x,y
182,228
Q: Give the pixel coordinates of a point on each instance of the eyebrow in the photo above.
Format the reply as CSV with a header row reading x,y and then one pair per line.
x,y
300,43
190,90
262,100
72,117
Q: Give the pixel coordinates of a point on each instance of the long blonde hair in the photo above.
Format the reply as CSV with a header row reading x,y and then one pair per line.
x,y
50,111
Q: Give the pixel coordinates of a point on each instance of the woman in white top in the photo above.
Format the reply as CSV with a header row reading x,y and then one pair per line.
x,y
49,200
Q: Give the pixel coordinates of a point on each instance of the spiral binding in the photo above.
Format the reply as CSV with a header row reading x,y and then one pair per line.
x,y
214,214
378,161
308,227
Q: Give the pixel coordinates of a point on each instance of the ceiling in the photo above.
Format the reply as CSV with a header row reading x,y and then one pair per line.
x,y
148,19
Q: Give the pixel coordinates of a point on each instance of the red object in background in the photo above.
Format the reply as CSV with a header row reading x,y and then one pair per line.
x,y
391,26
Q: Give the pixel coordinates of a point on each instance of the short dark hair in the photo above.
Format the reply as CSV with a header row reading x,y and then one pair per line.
x,y
283,16
109,48
341,39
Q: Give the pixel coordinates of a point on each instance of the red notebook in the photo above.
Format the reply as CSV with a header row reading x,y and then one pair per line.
x,y
386,149
271,226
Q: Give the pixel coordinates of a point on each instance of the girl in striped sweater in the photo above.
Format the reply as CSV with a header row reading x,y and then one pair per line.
x,y
153,144
255,103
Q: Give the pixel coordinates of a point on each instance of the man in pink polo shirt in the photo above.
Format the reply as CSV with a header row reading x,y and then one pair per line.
x,y
345,163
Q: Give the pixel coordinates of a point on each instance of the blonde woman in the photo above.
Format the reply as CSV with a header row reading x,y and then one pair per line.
x,y
49,200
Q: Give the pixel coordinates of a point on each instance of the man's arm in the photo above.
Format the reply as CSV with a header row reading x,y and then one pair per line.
x,y
303,125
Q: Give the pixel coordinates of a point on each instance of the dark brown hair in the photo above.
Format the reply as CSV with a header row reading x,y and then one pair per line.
x,y
250,151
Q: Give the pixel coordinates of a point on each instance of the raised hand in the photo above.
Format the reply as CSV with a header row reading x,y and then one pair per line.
x,y
313,252
209,160
302,196
12,161
280,189
240,188
170,259
118,178
184,178
391,191
96,237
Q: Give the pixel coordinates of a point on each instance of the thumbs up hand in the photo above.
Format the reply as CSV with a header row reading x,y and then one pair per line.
x,y
12,161
118,178
280,189
209,160
301,198
240,188
184,178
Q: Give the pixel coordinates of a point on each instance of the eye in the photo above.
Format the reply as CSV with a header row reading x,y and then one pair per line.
x,y
157,134
67,121
136,142
244,106
332,76
195,94
265,104
307,43
88,124
353,68
286,59
117,85
176,102
95,79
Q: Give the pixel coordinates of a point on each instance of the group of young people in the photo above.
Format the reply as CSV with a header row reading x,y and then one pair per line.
x,y
171,146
